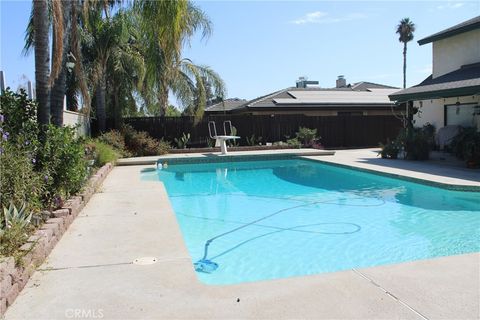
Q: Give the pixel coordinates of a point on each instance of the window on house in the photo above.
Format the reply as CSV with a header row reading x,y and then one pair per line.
x,y
460,114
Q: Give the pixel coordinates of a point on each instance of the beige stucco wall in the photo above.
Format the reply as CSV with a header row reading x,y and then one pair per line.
x,y
451,53
432,111
73,119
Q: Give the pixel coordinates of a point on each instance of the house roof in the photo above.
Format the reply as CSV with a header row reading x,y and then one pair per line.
x,y
370,85
324,97
465,26
464,81
226,105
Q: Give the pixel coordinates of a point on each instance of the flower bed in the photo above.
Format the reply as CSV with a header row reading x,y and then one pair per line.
x,y
14,277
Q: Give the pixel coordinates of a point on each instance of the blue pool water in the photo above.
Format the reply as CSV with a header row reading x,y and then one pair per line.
x,y
319,218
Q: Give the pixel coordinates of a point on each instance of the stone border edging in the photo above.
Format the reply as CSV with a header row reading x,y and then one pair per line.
x,y
39,245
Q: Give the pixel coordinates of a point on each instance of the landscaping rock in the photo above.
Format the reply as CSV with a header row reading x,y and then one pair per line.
x,y
3,305
53,227
7,267
5,285
61,213
12,294
74,205
47,234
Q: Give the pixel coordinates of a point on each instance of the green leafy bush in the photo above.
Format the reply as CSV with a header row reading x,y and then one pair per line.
x,y
306,135
294,143
253,140
62,162
19,181
18,119
416,142
466,145
139,143
116,140
390,149
104,153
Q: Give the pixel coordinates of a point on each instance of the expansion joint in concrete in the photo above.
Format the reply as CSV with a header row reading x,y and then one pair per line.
x,y
388,293
86,266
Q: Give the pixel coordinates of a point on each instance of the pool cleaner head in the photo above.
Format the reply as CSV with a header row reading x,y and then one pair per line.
x,y
205,266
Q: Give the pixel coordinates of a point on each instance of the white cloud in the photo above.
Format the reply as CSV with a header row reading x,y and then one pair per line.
x,y
323,17
450,5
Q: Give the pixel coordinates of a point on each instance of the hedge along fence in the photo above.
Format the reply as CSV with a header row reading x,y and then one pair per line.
x,y
14,278
335,131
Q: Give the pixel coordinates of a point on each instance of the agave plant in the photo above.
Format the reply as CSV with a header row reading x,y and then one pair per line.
x,y
15,217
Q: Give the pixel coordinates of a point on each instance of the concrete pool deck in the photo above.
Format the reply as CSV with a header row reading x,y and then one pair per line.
x,y
441,170
90,272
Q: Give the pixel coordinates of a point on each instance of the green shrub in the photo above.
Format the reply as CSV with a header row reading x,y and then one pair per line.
x,y
104,153
19,182
62,162
139,143
390,150
18,119
253,140
417,142
116,140
466,145
306,135
294,143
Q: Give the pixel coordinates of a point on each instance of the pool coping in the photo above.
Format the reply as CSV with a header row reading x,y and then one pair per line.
x,y
231,156
442,185
305,154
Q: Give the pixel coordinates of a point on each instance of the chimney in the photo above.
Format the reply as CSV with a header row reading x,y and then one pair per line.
x,y
341,82
303,82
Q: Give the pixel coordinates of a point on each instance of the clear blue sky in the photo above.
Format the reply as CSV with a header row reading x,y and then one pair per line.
x,y
259,47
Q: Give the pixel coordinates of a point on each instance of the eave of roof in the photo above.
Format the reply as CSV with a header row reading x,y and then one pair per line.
x,y
326,106
462,82
465,26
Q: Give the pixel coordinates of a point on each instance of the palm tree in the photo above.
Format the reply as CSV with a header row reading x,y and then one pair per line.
x,y
191,85
405,30
176,22
126,71
105,36
42,59
58,91
50,85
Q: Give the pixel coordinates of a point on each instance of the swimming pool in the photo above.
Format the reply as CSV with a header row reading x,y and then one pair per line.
x,y
273,219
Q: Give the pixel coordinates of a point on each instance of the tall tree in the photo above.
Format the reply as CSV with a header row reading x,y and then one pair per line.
x,y
176,22
58,91
126,71
42,60
405,30
48,15
105,36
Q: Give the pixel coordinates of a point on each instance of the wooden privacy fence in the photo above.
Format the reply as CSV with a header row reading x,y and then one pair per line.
x,y
335,131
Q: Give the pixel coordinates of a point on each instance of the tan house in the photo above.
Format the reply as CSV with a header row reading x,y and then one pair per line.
x,y
451,94
358,99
